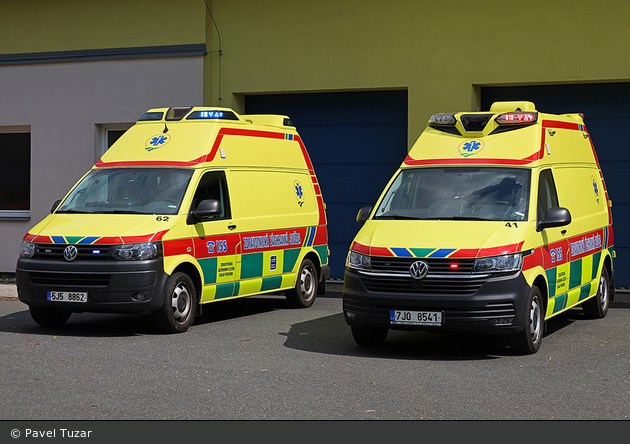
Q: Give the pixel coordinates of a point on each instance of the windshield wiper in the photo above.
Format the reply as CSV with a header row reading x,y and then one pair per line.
x,y
398,217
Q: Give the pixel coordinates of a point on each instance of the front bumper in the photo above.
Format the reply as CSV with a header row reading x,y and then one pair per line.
x,y
486,310
112,286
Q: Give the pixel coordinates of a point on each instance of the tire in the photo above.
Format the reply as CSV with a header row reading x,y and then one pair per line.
x,y
528,340
597,306
305,291
49,317
179,306
369,336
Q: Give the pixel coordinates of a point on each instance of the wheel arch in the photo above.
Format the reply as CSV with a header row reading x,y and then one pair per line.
x,y
192,272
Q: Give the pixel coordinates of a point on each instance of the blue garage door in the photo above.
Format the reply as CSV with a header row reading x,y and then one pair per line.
x,y
606,109
356,141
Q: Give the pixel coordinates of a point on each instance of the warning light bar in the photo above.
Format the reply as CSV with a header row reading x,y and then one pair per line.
x,y
517,118
212,115
442,120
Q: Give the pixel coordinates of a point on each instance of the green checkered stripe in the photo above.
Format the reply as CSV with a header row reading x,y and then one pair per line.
x,y
573,282
252,268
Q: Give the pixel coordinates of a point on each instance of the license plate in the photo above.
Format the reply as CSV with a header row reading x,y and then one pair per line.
x,y
67,296
406,317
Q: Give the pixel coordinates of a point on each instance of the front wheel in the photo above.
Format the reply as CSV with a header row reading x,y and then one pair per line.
x,y
528,340
305,290
179,306
49,317
597,306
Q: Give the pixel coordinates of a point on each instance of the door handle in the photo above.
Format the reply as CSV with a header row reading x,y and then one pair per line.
x,y
231,227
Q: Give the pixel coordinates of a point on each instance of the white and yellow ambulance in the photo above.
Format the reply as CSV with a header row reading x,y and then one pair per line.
x,y
495,222
189,206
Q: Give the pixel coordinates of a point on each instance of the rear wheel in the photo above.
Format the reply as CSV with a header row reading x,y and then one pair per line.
x,y
305,291
528,340
49,317
180,304
369,336
597,307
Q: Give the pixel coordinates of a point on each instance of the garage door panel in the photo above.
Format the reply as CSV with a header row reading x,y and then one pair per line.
x,y
346,216
616,178
355,144
337,108
351,184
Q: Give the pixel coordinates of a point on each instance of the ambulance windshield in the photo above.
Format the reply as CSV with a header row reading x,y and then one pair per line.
x,y
457,193
128,191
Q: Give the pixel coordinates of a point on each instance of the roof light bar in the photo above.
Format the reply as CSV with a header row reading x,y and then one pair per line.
x,y
517,118
442,120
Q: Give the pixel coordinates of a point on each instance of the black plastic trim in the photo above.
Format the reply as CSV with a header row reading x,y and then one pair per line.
x,y
104,54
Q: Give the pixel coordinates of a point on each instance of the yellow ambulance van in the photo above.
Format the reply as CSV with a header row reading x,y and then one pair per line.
x,y
191,205
495,222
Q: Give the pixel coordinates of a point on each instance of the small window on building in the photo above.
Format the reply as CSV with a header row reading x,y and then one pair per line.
x,y
113,136
106,135
15,174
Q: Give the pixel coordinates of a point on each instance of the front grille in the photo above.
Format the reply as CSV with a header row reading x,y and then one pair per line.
x,y
63,279
391,275
85,252
436,266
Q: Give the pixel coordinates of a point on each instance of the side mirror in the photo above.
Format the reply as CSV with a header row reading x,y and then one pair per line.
x,y
55,205
364,214
206,208
556,217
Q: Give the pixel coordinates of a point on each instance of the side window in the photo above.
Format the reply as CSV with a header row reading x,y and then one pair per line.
x,y
213,185
547,196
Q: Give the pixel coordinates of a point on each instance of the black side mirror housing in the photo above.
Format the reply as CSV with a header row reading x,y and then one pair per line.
x,y
206,208
55,205
364,214
556,217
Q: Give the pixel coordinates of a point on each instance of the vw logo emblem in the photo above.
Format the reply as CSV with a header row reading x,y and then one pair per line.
x,y
70,253
419,270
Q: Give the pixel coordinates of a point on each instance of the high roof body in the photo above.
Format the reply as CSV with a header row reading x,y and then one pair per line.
x,y
510,134
200,136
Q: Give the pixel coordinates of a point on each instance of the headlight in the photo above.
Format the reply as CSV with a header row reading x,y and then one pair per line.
x,y
27,250
499,264
138,252
358,261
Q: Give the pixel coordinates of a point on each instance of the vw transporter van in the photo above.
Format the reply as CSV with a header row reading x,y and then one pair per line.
x,y
190,206
495,222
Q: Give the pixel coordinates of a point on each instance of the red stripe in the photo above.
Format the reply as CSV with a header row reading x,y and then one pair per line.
x,y
464,253
109,241
560,125
137,239
29,237
130,163
533,260
307,158
469,161
321,236
496,251
178,246
360,248
380,251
